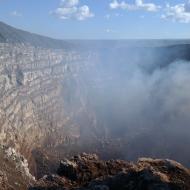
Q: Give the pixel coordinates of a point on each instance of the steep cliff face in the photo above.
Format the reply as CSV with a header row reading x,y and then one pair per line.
x,y
24,91
39,88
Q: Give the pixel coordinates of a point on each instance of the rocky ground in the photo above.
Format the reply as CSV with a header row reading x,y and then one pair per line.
x,y
14,172
88,172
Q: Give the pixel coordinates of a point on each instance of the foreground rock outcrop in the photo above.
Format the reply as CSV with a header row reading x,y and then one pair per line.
x,y
14,171
88,172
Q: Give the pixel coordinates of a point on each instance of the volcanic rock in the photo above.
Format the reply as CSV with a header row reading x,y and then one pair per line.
x,y
88,172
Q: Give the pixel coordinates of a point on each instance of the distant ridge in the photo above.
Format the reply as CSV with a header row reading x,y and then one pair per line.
x,y
12,35
9,34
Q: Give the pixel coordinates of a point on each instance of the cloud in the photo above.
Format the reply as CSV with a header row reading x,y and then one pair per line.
x,y
69,3
108,30
178,13
70,9
109,16
16,14
138,5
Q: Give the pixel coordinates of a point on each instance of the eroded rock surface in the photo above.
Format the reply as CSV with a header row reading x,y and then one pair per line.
x,y
14,171
88,172
40,99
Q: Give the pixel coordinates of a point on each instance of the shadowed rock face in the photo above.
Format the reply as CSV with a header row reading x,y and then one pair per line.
x,y
87,172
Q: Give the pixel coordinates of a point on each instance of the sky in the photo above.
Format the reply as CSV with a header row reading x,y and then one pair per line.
x,y
100,19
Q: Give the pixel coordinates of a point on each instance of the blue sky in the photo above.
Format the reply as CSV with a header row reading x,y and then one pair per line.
x,y
100,19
